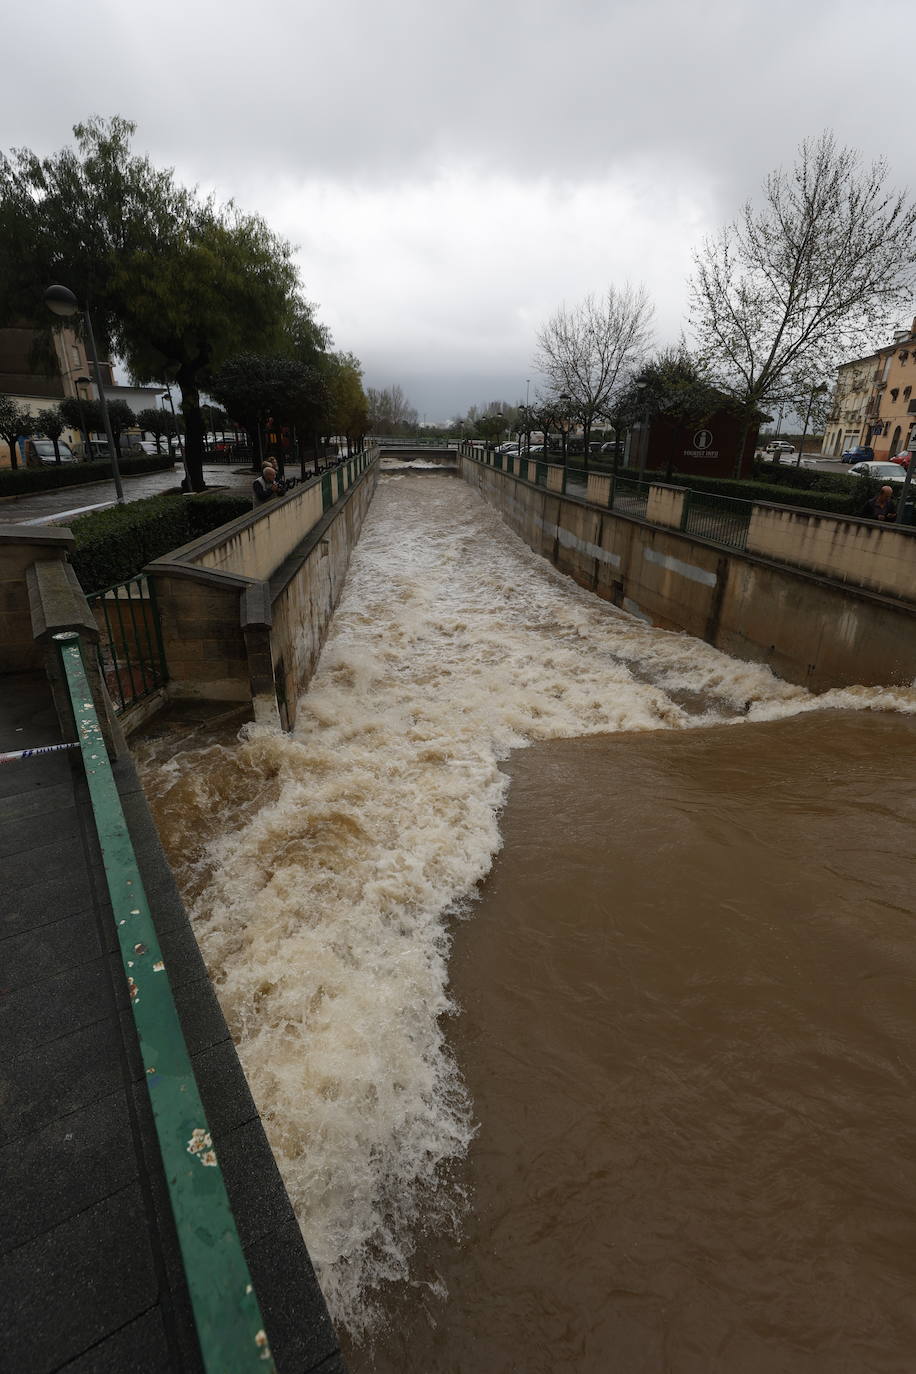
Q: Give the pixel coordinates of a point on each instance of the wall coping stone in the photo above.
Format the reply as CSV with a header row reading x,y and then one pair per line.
x,y
60,537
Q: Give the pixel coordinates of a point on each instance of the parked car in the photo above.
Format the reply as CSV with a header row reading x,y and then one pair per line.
x,y
880,472
860,453
779,446
902,458
87,452
42,451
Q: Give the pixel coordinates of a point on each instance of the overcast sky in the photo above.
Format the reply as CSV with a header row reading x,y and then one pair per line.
x,y
451,174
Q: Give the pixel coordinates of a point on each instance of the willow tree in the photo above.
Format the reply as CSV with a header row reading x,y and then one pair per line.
x,y
176,284
814,276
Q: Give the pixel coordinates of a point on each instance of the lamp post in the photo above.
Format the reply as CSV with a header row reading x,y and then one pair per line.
x,y
498,417
61,301
817,391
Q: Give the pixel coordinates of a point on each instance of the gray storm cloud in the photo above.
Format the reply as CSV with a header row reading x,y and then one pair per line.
x,y
571,143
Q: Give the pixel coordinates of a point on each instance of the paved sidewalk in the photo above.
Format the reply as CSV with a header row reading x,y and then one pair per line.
x,y
91,1280
65,503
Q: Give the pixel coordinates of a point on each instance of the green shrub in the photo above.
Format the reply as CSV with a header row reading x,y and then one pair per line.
x,y
210,509
115,544
19,481
843,502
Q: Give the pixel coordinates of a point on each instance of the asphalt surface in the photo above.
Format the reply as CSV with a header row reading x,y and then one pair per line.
x,y
91,1277
66,503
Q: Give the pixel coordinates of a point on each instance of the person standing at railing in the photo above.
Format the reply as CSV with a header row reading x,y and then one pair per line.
x,y
881,506
266,486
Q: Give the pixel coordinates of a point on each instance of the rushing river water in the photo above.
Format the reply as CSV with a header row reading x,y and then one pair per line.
x,y
654,1111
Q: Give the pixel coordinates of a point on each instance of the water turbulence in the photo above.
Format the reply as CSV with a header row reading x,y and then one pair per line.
x,y
324,869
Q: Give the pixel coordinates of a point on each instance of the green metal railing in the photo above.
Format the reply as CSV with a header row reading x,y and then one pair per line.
x,y
629,497
227,1316
724,519
130,646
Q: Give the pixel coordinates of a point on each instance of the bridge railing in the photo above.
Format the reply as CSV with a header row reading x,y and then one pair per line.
x,y
130,641
722,519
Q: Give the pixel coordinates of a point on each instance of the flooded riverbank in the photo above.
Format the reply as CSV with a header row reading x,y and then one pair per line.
x,y
330,872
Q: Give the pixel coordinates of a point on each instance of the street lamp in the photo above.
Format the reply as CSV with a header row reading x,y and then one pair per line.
x,y
61,301
498,417
817,391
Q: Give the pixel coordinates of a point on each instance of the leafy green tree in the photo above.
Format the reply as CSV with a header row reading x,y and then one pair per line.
x,y
14,422
76,412
121,418
52,424
348,409
176,285
255,388
675,384
156,422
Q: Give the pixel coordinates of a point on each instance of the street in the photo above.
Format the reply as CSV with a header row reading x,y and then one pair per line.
x,y
67,503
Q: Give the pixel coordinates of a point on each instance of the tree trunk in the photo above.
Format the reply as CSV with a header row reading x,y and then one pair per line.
x,y
742,444
14,455
56,449
193,428
586,434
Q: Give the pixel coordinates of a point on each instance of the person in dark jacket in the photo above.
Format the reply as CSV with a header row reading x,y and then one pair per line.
x,y
266,486
881,506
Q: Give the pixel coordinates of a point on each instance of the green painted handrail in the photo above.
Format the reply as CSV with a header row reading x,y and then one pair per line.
x,y
230,1329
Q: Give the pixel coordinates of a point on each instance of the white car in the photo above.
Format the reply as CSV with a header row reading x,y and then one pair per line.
x,y
880,472
779,446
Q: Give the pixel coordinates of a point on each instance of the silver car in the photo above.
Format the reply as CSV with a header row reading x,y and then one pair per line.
x,y
879,472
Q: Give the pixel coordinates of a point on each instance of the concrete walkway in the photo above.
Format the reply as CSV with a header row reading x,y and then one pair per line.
x,y
65,503
91,1280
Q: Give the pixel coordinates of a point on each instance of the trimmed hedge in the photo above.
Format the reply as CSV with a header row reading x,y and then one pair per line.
x,y
19,481
115,544
848,502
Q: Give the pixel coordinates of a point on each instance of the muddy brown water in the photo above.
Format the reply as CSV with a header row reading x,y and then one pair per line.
x,y
645,1104
688,1029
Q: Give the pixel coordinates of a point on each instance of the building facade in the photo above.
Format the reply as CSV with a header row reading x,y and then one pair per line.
x,y
39,370
847,418
874,400
892,413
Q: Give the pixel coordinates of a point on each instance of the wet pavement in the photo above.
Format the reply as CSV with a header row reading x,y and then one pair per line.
x,y
66,503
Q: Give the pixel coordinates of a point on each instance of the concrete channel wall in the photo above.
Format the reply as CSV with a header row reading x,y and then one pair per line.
x,y
808,624
245,609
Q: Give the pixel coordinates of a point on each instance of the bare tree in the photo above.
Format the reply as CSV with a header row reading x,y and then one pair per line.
x,y
812,277
390,412
589,351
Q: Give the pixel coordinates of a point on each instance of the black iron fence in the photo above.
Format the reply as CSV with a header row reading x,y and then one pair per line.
x,y
130,643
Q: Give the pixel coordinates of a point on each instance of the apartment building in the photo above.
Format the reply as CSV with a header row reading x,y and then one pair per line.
x,y
852,397
874,400
892,412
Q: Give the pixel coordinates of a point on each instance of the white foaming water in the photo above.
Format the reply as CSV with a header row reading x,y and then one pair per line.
x,y
323,915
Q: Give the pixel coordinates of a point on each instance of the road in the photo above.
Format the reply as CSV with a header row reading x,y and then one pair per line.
x,y
66,503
